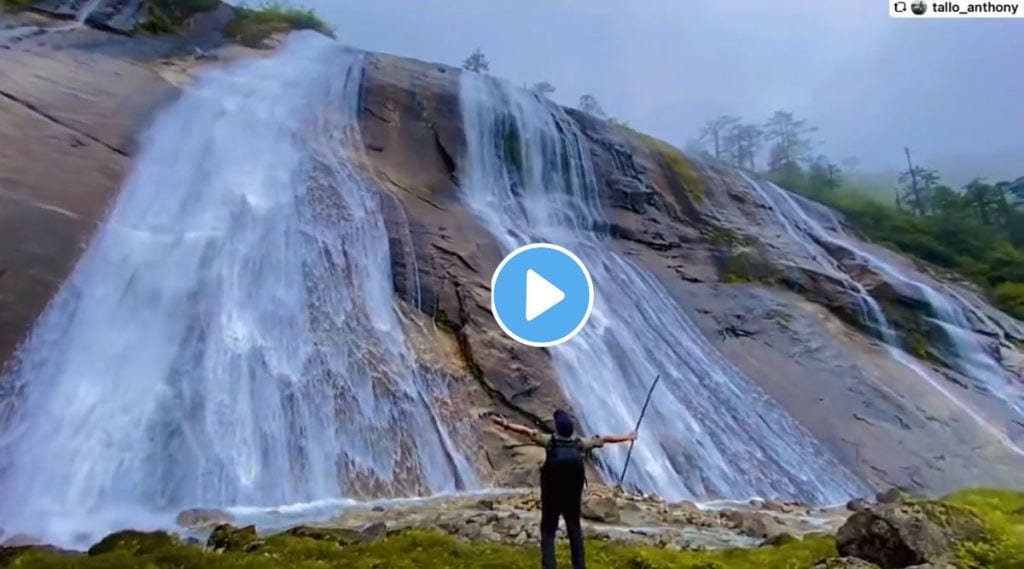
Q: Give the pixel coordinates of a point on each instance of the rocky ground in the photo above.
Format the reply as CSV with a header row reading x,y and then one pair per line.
x,y
513,517
978,528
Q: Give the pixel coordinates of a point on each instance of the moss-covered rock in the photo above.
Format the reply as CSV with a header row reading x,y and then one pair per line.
x,y
134,542
340,536
911,532
227,537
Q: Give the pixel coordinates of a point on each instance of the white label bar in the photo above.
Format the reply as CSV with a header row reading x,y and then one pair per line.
x,y
958,9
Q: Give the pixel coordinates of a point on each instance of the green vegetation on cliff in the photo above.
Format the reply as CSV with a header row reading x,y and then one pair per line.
x,y
952,237
976,230
672,159
253,26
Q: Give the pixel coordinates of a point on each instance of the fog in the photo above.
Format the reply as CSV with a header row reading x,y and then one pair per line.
x,y
951,90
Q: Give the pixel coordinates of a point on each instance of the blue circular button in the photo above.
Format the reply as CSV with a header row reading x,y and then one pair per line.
x,y
541,295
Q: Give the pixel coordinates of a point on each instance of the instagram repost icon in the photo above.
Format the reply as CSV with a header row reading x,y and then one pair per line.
x,y
541,295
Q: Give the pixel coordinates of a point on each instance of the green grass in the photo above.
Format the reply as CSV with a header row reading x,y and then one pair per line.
x,y
253,26
1003,513
1001,546
423,550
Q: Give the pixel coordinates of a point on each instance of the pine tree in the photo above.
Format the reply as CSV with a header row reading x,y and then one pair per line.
x,y
477,62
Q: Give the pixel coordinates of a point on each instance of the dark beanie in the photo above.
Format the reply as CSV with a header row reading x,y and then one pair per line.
x,y
563,424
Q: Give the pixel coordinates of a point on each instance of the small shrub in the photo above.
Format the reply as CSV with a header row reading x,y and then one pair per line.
x,y
253,26
747,267
722,236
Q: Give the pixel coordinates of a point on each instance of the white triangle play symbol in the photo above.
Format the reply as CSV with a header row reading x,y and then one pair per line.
x,y
541,295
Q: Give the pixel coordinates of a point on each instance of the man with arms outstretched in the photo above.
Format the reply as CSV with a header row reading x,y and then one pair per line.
x,y
561,481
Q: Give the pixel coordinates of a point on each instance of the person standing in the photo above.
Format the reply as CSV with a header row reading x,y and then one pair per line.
x,y
562,478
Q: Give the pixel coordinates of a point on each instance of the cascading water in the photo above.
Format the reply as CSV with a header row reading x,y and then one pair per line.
x,y
709,431
86,10
229,337
970,357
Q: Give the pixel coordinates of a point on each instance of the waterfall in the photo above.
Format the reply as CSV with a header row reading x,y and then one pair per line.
x,y
969,356
709,431
230,336
86,10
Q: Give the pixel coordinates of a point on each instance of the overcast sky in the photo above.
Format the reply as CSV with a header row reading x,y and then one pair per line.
x,y
953,90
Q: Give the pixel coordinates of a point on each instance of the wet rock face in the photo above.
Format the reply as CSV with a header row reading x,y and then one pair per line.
x,y
443,259
792,327
905,534
69,120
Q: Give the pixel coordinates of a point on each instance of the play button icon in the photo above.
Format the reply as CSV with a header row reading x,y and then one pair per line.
x,y
541,295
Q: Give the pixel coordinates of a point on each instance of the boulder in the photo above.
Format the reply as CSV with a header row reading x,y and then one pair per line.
x,y
601,509
911,533
227,537
754,524
341,536
857,505
195,518
134,542
892,496
780,539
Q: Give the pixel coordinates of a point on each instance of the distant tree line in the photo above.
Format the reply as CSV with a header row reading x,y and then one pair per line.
x,y
976,230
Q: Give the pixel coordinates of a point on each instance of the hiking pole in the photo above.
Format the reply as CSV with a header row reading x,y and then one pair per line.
x,y
637,429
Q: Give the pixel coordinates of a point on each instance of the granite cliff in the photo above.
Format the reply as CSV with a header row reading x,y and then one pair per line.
x,y
774,283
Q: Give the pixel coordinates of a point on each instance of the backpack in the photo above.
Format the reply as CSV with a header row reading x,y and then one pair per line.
x,y
563,467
